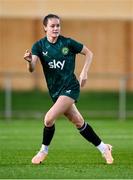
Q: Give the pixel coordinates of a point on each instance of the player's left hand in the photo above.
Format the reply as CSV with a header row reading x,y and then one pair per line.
x,y
82,79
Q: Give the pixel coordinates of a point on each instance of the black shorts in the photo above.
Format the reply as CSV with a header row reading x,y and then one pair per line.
x,y
72,91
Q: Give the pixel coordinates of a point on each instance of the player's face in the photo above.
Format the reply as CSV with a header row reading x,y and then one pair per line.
x,y
53,28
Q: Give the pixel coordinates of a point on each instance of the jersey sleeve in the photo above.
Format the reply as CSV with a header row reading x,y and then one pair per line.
x,y
36,49
75,46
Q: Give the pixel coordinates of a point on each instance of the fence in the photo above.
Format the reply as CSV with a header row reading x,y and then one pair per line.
x,y
121,111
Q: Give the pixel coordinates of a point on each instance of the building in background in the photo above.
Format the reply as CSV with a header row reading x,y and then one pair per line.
x,y
106,27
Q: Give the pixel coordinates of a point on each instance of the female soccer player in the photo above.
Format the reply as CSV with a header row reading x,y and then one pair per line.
x,y
57,56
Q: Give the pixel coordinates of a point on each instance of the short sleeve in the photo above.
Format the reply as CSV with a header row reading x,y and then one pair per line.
x,y
75,46
36,49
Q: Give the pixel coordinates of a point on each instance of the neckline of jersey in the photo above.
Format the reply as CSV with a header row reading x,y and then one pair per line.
x,y
51,42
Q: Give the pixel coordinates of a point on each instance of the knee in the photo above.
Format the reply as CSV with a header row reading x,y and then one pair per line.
x,y
48,120
77,120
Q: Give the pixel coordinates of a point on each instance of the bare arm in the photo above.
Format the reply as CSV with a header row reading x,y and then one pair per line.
x,y
88,59
31,60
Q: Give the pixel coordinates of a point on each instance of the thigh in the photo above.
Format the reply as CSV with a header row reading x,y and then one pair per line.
x,y
62,104
74,116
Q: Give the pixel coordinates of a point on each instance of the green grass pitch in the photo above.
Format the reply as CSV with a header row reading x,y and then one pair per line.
x,y
70,156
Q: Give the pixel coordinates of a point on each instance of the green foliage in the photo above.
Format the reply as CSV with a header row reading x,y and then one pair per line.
x,y
39,100
70,156
88,103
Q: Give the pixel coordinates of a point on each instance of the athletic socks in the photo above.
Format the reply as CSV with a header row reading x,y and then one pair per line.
x,y
48,133
102,147
44,149
88,133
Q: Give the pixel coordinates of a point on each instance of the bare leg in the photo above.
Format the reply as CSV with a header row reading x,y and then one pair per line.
x,y
85,129
62,104
88,133
74,116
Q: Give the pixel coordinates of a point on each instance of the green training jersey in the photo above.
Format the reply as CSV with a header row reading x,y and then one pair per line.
x,y
58,62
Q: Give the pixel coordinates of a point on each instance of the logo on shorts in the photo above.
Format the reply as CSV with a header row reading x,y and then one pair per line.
x,y
68,91
65,50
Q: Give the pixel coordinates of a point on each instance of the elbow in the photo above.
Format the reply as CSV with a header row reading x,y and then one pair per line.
x,y
90,55
31,70
87,52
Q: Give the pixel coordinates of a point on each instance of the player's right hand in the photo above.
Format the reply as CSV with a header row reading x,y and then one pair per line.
x,y
28,56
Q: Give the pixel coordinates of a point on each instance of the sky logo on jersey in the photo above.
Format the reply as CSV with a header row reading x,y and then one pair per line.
x,y
58,64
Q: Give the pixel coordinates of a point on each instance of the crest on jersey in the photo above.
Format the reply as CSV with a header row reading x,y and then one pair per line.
x,y
65,50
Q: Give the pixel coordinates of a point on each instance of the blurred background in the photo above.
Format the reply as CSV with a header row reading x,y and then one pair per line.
x,y
105,26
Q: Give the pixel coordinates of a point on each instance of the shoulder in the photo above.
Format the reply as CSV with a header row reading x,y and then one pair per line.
x,y
40,42
70,39
63,38
66,40
74,45
37,47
